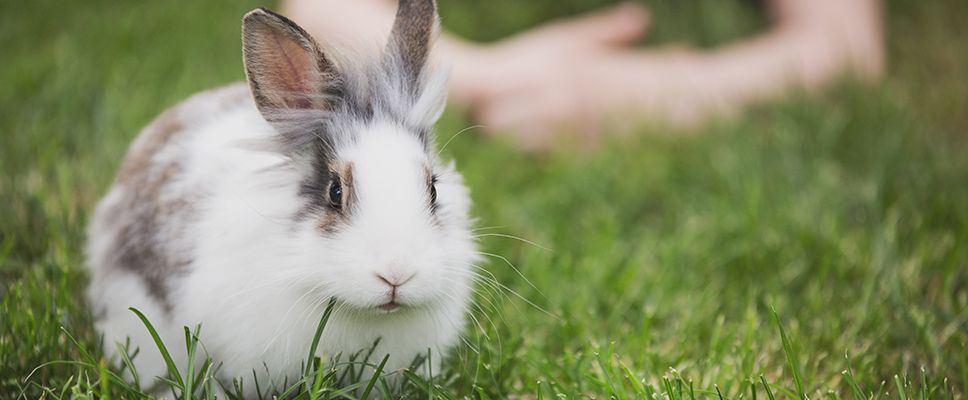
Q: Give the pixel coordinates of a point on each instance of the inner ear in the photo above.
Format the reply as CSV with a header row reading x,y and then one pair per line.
x,y
284,65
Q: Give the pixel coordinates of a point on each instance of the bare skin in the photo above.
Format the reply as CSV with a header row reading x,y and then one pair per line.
x,y
579,75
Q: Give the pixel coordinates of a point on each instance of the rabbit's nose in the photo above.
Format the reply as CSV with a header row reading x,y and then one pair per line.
x,y
395,280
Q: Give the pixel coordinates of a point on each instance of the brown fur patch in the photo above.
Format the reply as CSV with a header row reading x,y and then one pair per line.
x,y
328,222
349,194
143,245
331,219
148,214
170,123
429,175
152,138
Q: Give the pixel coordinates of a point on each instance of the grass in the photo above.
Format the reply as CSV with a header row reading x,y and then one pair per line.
x,y
815,247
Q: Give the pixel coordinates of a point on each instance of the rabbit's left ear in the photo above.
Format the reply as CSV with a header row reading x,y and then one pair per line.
x,y
410,40
285,68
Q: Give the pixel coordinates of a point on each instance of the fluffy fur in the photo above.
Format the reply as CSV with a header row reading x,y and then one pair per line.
x,y
221,214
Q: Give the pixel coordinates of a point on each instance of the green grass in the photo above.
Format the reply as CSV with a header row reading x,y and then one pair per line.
x,y
846,213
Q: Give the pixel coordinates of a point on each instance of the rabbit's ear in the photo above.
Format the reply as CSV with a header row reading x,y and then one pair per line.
x,y
411,39
285,68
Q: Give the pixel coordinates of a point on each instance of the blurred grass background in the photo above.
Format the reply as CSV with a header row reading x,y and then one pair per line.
x,y
847,212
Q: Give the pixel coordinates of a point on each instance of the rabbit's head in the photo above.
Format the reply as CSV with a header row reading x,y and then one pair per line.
x,y
383,225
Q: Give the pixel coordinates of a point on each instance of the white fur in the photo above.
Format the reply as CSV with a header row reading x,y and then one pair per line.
x,y
260,279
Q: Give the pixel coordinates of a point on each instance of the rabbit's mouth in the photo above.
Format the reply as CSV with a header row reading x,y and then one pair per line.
x,y
390,306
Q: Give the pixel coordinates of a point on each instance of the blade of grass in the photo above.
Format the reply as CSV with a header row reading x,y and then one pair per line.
x,y
603,361
103,380
901,392
924,384
852,383
766,387
317,383
636,385
190,368
172,369
430,377
376,377
126,359
791,356
308,372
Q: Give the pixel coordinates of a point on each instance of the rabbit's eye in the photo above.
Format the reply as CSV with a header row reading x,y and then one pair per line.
x,y
336,193
433,191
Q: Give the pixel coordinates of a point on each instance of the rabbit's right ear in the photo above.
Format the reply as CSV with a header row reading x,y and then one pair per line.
x,y
285,68
411,39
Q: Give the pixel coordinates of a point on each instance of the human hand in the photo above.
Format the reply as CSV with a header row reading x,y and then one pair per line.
x,y
577,77
537,81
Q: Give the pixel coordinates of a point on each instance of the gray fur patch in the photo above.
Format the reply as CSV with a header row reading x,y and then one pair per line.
x,y
150,217
315,190
411,38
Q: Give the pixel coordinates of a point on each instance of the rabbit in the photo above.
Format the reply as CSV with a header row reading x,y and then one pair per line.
x,y
246,209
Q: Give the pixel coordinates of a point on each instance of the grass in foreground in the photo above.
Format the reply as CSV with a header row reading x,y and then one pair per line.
x,y
846,214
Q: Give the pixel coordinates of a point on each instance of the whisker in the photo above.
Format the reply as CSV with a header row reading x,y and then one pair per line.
x,y
515,238
518,295
484,228
470,314
276,335
506,261
439,152
488,283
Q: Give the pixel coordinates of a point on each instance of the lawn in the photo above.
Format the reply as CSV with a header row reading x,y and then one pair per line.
x,y
815,247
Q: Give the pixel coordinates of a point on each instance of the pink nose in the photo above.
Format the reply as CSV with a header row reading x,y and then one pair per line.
x,y
394,281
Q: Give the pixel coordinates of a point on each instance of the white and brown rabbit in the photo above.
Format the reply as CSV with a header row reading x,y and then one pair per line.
x,y
247,208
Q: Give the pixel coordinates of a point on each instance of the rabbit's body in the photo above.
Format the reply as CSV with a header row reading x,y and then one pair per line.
x,y
247,216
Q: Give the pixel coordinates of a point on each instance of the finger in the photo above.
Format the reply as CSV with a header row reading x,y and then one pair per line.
x,y
616,26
